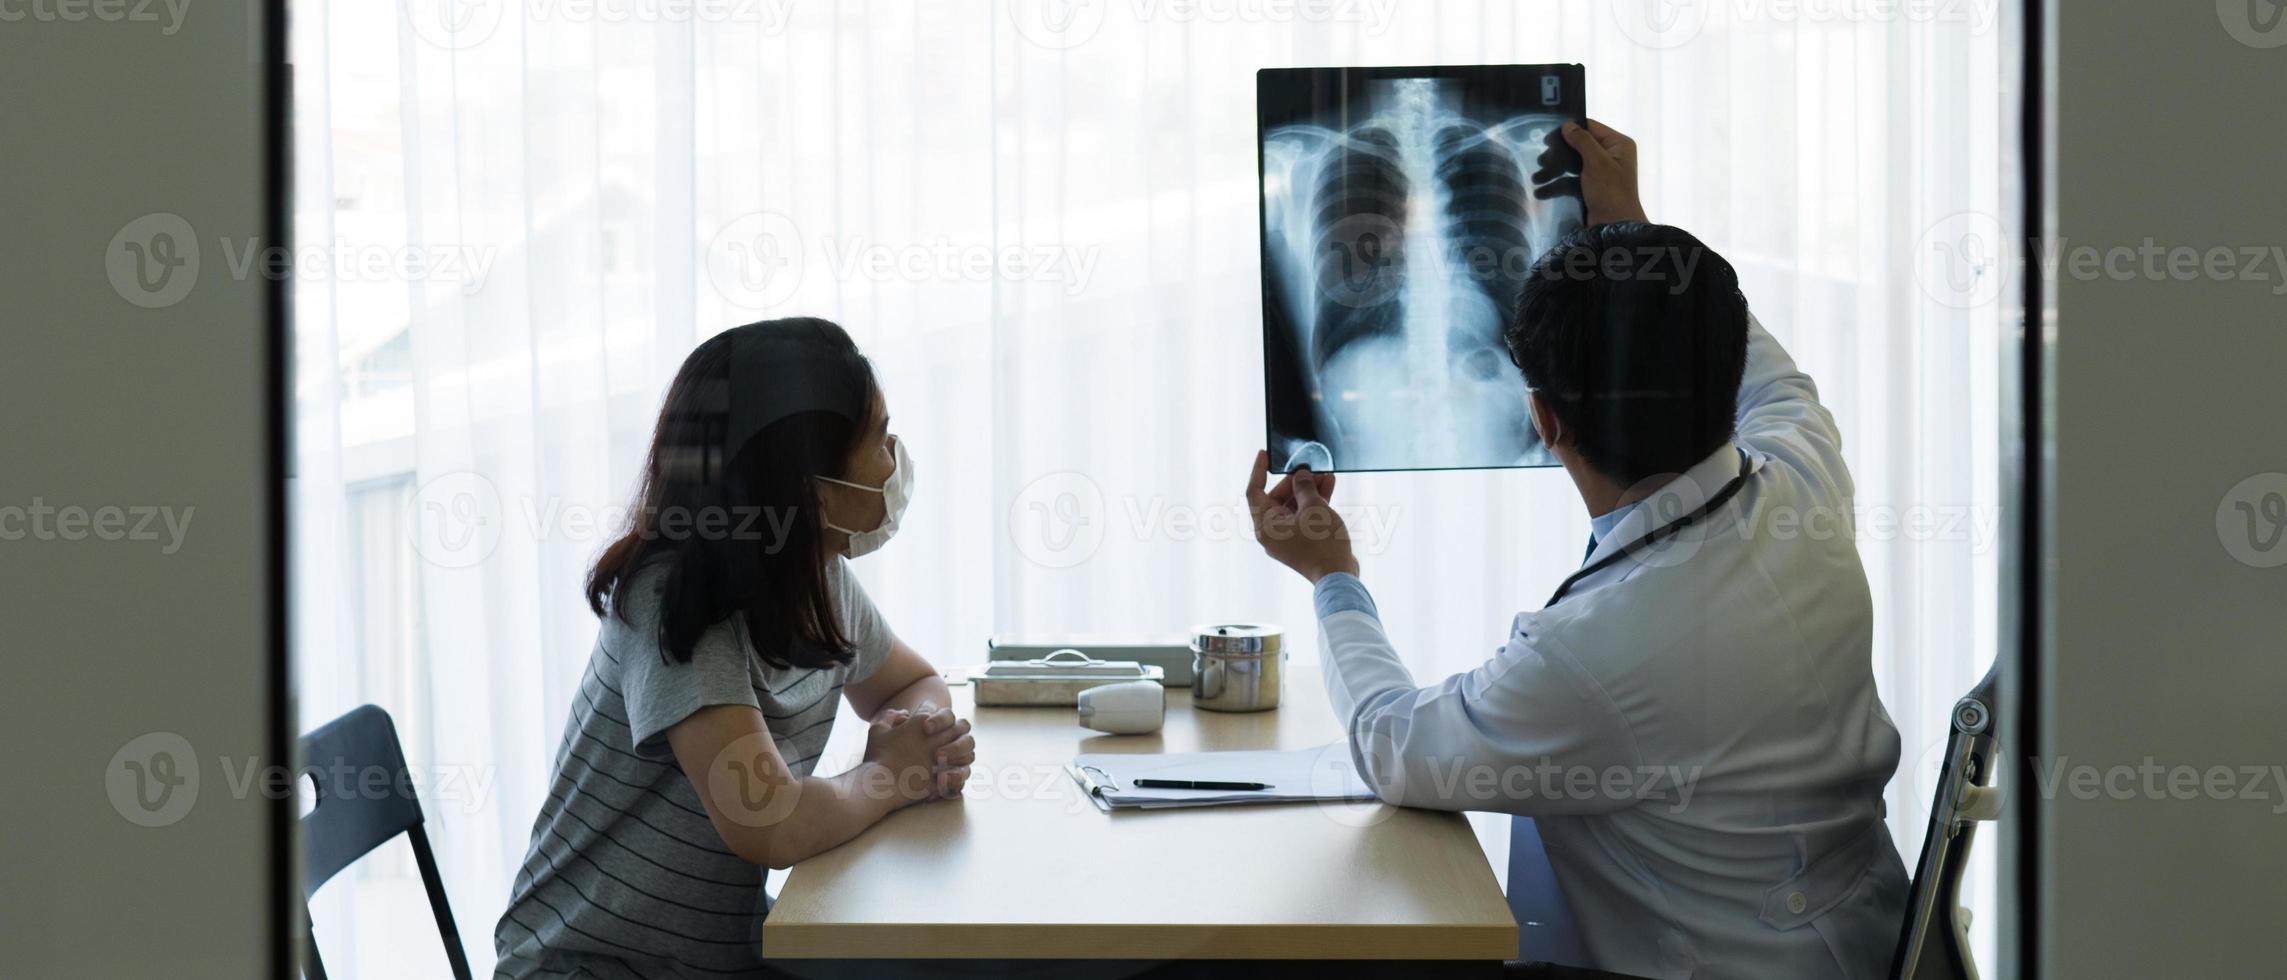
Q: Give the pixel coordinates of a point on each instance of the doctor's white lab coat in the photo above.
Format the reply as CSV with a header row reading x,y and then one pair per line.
x,y
1695,726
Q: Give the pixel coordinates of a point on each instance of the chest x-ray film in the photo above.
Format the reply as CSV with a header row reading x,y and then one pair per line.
x,y
1401,210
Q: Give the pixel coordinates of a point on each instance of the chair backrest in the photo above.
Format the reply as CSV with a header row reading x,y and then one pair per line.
x,y
1548,933
1932,944
364,798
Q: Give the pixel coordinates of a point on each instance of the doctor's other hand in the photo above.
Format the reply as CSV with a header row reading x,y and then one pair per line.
x,y
1607,172
1295,524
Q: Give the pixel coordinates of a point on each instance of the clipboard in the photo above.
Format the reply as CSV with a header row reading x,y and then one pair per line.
x,y
1322,773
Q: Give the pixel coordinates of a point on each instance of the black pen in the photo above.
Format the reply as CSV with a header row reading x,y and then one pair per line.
x,y
1194,784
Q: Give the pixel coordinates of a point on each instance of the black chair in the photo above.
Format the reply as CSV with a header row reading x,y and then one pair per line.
x,y
350,818
1933,943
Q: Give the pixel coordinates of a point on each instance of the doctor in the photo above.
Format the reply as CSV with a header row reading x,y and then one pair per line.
x,y
1692,715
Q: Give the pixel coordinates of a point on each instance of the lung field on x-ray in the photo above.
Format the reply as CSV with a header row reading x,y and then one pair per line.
x,y
1399,219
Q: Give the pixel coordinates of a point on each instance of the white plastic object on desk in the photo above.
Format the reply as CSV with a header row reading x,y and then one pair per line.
x,y
1126,708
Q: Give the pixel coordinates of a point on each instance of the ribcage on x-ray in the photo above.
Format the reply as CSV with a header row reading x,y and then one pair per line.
x,y
1400,245
1362,202
1485,206
1361,206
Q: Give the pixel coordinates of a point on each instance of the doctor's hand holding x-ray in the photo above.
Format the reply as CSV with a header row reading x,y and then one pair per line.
x,y
1691,717
1317,548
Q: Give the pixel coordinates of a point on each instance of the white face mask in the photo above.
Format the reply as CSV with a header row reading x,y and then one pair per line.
x,y
894,494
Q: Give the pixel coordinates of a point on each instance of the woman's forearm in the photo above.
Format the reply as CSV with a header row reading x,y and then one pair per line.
x,y
904,680
926,693
762,811
828,811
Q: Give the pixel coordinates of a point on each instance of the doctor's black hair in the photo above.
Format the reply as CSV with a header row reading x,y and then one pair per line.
x,y
733,530
1635,336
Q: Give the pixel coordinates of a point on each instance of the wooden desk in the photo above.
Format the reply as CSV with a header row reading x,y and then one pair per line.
x,y
1024,867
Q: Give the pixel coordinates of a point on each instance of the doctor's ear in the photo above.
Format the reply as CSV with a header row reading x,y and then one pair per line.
x,y
1545,423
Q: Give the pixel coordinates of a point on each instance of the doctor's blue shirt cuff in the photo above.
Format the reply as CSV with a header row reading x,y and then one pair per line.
x,y
1342,592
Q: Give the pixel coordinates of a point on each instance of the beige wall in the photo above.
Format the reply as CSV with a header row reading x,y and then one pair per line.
x,y
106,636
2165,641
2167,625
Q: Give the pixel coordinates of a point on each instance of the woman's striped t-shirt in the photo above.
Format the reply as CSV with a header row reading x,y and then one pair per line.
x,y
625,876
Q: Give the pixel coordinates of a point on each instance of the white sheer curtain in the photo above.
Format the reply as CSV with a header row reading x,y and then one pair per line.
x,y
1047,243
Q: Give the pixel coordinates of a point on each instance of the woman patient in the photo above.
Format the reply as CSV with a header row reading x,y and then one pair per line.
x,y
730,622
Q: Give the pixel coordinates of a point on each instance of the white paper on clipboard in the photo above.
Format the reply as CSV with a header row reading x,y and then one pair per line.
x,y
1325,772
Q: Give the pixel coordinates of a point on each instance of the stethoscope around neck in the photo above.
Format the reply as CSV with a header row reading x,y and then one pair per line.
x,y
1659,534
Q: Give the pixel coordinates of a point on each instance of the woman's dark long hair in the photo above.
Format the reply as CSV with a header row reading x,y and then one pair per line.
x,y
741,536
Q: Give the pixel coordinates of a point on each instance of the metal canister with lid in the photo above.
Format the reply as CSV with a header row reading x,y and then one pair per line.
x,y
1235,667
